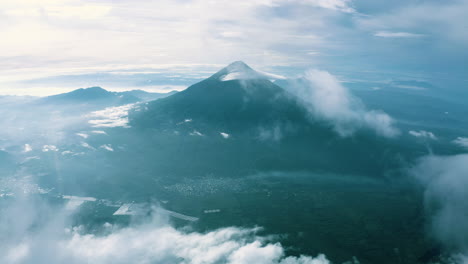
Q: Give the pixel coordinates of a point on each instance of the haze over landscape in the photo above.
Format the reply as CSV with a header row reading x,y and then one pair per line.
x,y
263,131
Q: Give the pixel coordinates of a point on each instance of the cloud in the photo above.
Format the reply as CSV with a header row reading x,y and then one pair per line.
x,y
196,133
324,96
53,38
86,145
338,5
71,35
422,134
224,135
53,240
111,116
107,147
27,148
386,34
83,135
446,198
446,21
47,148
99,132
341,5
461,141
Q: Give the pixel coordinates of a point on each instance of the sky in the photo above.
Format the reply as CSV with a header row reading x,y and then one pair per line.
x,y
51,46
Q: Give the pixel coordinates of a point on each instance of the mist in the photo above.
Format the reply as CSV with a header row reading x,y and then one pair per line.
x,y
444,179
34,231
326,98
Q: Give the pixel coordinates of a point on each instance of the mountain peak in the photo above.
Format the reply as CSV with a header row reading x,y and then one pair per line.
x,y
237,70
95,88
91,92
238,66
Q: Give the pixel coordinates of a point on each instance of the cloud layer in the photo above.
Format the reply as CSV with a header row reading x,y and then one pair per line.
x,y
32,231
54,38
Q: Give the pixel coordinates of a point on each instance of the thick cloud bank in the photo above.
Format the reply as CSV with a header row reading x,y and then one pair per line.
x,y
33,232
324,96
446,199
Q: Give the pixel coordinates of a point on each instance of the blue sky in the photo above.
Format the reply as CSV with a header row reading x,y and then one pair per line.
x,y
50,46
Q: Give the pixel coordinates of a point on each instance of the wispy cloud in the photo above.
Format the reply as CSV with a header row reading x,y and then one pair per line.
x,y
422,134
387,34
446,199
461,141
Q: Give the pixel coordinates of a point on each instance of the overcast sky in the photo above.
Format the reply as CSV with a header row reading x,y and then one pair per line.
x,y
47,45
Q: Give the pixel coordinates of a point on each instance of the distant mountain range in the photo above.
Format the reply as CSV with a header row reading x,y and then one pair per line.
x,y
95,98
90,95
146,96
95,94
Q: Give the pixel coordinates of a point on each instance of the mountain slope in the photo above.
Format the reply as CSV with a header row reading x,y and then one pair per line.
x,y
267,130
234,98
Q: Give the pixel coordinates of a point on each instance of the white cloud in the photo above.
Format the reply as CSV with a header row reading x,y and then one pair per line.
x,y
47,148
86,145
188,120
75,201
50,38
83,135
313,53
52,241
69,35
107,147
196,133
422,134
324,96
341,5
111,117
387,34
31,158
99,132
27,148
461,141
224,135
338,5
